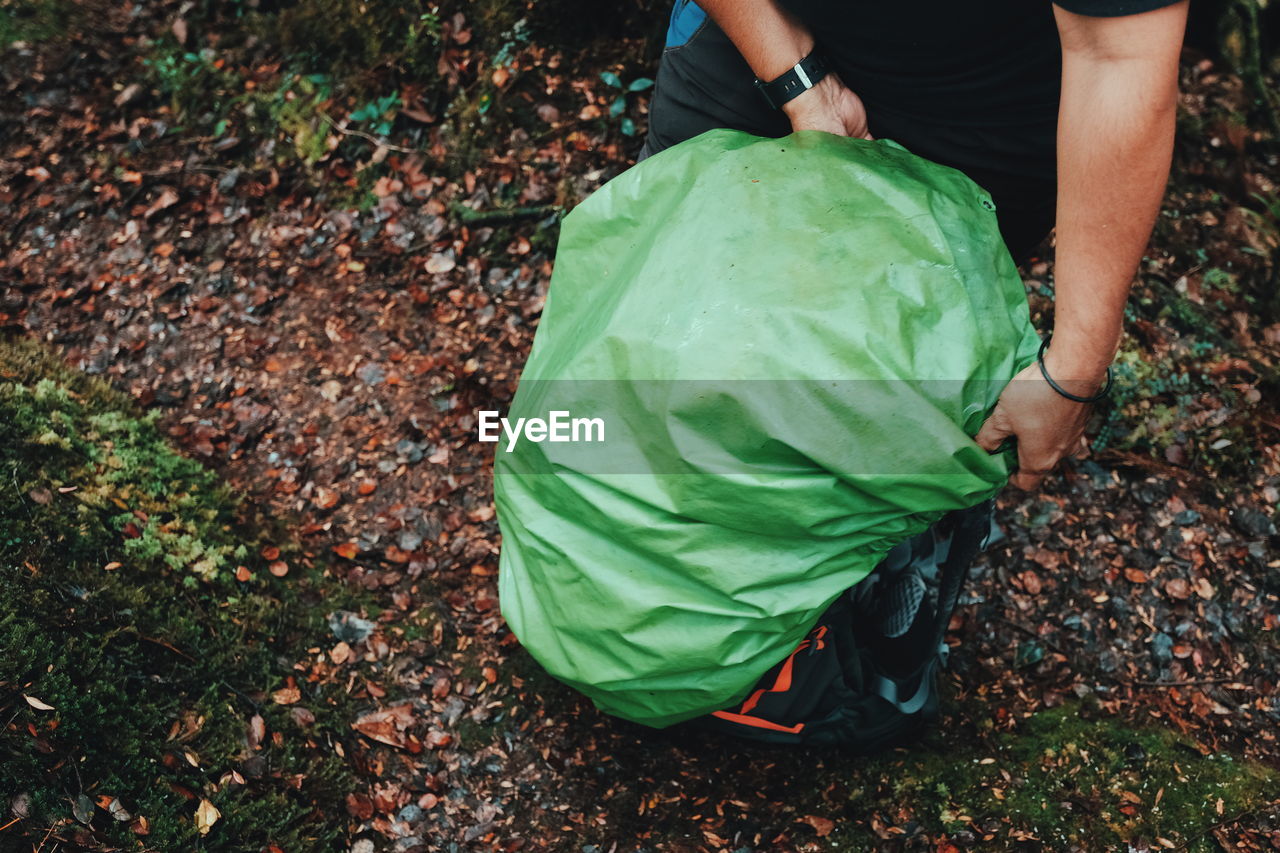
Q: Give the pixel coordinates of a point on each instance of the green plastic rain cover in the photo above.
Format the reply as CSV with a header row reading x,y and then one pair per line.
x,y
759,367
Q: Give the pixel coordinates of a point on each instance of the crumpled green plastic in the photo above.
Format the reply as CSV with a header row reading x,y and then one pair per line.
x,y
791,343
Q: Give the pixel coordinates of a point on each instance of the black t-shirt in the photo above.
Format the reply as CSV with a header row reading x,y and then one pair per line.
x,y
981,63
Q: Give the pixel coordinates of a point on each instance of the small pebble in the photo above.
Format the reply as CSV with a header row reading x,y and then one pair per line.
x,y
410,814
1252,522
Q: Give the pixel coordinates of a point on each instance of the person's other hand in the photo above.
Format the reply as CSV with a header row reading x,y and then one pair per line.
x,y
829,106
1047,425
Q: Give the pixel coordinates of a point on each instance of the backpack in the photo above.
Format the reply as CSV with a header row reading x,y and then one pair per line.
x,y
865,677
661,566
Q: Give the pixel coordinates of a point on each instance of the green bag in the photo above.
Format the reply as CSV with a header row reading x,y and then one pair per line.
x,y
772,354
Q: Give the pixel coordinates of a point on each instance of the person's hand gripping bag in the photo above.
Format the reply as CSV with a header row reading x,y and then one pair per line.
x,y
760,366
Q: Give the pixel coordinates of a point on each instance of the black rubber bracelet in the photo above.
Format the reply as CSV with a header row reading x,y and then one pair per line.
x,y
1106,388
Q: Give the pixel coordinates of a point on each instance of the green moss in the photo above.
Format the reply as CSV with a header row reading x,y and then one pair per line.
x,y
317,35
1160,401
119,607
472,736
33,20
1067,777
322,80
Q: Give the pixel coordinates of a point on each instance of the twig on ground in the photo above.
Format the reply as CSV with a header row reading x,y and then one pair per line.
x,y
469,216
1030,632
165,645
257,706
1186,682
381,143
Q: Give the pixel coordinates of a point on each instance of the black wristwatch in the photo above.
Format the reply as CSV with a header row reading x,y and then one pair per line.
x,y
802,77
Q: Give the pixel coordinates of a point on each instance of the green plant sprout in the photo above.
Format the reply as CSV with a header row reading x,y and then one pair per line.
x,y
428,26
619,104
380,113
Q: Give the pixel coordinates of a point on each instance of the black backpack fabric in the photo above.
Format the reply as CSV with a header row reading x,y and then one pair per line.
x,y
866,676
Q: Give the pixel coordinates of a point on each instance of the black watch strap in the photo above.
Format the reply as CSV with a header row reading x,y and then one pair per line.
x,y
802,77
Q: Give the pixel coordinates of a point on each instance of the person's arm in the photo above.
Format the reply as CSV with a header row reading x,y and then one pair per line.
x,y
772,40
1115,142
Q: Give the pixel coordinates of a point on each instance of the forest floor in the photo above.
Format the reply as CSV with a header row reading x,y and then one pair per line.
x,y
324,341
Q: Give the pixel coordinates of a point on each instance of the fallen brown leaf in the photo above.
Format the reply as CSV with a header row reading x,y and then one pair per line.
x,y
37,704
820,825
207,815
387,726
